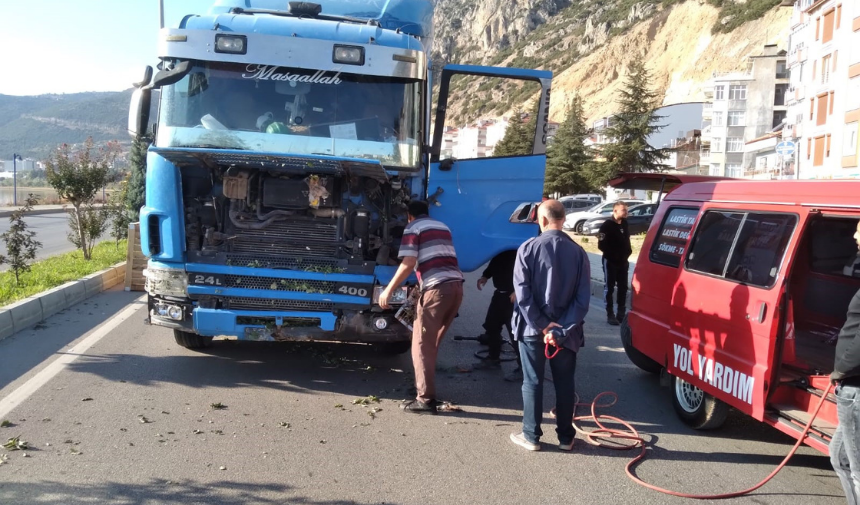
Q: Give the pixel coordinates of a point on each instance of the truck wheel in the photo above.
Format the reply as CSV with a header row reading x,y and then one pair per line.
x,y
393,348
190,340
578,227
636,357
697,409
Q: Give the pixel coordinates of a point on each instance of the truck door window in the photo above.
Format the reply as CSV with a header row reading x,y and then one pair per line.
x,y
713,242
760,248
668,248
468,136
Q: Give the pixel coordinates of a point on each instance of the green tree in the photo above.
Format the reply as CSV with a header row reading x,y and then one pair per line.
x,y
136,189
78,176
629,129
119,216
21,247
519,137
567,156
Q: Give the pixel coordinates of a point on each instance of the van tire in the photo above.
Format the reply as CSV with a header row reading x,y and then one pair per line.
x,y
190,340
697,409
636,357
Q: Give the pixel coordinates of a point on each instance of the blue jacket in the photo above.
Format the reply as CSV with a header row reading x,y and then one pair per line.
x,y
552,283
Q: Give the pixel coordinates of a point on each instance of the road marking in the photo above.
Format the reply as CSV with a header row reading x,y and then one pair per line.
x,y
16,397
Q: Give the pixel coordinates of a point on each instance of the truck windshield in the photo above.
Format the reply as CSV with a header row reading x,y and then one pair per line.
x,y
294,112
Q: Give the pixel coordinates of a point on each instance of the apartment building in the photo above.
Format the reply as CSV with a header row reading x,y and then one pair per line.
x,y
740,107
824,92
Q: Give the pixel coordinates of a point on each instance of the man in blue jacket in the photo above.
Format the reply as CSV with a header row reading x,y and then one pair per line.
x,y
552,284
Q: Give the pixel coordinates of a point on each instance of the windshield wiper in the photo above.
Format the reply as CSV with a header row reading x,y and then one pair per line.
x,y
326,17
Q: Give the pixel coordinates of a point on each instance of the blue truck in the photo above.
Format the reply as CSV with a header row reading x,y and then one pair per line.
x,y
289,138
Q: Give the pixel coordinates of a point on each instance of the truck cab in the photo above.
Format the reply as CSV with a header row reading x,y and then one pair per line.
x,y
289,138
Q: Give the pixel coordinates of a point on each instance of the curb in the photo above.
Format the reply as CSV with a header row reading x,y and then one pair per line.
x,y
29,311
35,212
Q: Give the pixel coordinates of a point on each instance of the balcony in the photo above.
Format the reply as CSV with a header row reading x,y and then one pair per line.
x,y
782,75
707,111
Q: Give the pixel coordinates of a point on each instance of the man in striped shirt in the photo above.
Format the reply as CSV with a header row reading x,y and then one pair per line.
x,y
427,248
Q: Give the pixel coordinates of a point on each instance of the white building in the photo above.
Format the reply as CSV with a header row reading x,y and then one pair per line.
x,y
824,92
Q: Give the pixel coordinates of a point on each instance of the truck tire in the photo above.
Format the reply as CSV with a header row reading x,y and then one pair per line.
x,y
636,357
190,340
393,348
697,409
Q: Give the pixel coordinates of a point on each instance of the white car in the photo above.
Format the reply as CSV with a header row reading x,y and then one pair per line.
x,y
575,220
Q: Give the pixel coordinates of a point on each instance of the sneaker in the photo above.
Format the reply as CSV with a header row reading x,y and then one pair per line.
x,y
488,364
565,447
612,320
520,440
515,376
419,407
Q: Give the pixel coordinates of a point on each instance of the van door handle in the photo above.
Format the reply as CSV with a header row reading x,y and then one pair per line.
x,y
762,312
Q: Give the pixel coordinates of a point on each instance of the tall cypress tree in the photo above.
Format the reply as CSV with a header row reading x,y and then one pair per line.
x,y
567,156
630,127
136,189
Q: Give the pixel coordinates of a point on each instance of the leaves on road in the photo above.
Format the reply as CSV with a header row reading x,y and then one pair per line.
x,y
144,420
283,424
366,401
6,424
217,406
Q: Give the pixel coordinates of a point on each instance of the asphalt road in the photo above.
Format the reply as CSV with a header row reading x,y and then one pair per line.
x,y
129,420
51,230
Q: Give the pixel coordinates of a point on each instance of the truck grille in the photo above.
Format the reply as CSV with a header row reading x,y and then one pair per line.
x,y
304,238
238,303
291,263
277,284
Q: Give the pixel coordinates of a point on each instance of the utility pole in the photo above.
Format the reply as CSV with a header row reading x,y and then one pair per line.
x,y
15,159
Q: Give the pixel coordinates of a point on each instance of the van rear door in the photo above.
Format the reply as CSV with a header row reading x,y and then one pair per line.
x,y
731,286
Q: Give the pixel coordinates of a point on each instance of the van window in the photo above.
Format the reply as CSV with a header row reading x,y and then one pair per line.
x,y
760,248
744,247
833,250
712,245
668,248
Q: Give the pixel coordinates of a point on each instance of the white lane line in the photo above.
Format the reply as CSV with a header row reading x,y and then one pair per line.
x,y
16,397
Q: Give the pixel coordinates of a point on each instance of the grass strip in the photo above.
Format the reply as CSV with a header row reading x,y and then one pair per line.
x,y
57,270
590,244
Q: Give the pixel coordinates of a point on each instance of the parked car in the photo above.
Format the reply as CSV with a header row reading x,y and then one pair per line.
x,y
575,221
576,205
638,220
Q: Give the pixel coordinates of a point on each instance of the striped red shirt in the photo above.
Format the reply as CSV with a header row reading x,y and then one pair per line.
x,y
430,242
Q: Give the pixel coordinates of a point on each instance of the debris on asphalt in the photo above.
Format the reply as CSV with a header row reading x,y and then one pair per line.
x,y
198,432
6,423
283,424
15,444
222,468
366,401
144,420
87,399
75,451
217,406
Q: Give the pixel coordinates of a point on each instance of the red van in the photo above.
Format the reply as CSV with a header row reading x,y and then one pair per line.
x,y
739,292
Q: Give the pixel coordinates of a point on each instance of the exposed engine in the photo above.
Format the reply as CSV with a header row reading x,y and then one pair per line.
x,y
314,221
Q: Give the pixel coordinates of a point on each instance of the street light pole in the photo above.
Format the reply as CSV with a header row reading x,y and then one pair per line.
x,y
15,158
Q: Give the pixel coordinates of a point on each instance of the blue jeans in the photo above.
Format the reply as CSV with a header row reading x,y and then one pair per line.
x,y
563,367
845,446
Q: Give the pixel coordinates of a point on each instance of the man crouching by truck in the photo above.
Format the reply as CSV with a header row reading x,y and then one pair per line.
x,y
845,446
427,248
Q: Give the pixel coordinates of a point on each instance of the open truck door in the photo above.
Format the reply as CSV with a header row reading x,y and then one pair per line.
x,y
486,200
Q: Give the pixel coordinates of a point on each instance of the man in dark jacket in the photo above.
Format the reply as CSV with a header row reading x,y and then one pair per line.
x,y
552,284
845,446
613,239
501,272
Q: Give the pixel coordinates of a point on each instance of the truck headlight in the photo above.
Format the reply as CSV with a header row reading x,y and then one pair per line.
x,y
166,281
231,44
348,55
398,297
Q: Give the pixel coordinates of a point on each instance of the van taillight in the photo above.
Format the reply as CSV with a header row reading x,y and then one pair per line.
x,y
154,234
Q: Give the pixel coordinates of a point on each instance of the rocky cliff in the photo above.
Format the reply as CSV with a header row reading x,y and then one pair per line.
x,y
588,44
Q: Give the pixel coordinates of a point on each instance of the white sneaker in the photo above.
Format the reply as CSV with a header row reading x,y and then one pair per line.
x,y
520,440
566,447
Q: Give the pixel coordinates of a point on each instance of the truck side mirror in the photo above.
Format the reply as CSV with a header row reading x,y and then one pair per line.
x,y
141,98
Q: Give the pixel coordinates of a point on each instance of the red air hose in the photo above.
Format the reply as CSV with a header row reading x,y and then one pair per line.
x,y
603,433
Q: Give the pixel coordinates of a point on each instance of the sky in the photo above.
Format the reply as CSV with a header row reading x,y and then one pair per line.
x,y
70,46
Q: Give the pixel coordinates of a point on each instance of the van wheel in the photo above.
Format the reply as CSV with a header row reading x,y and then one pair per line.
x,y
636,357
579,227
393,348
697,409
190,340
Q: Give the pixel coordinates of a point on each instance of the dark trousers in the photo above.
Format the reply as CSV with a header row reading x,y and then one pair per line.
x,y
563,368
615,276
499,315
